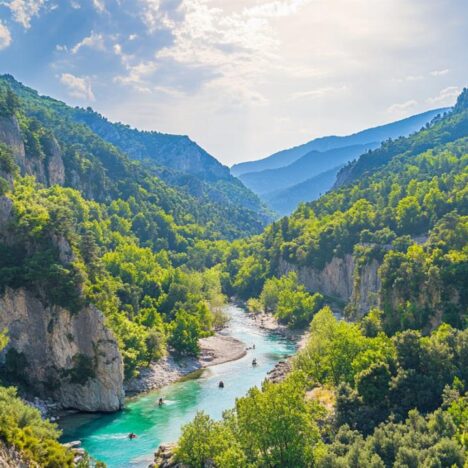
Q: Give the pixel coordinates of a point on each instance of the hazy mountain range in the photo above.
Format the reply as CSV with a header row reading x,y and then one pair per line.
x,y
302,173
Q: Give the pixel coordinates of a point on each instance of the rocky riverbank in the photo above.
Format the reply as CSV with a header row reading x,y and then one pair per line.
x,y
215,350
269,322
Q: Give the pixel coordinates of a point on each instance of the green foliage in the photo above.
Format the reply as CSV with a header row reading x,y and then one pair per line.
x,y
7,161
3,339
204,439
288,300
420,192
184,334
377,376
9,102
418,441
36,439
72,252
273,426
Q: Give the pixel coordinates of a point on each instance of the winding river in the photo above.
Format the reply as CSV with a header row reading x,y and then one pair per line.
x,y
105,437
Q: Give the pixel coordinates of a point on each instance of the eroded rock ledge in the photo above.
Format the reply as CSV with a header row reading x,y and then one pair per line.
x,y
72,358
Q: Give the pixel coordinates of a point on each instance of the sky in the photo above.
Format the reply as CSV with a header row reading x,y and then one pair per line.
x,y
243,78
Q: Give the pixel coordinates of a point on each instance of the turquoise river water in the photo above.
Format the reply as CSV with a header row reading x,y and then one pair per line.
x,y
105,436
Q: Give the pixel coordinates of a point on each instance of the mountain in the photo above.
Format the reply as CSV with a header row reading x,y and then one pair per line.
x,y
285,201
444,128
333,152
177,160
393,235
383,132
309,165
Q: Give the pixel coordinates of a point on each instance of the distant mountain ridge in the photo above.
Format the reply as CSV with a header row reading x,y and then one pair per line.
x,y
286,201
379,133
305,172
309,165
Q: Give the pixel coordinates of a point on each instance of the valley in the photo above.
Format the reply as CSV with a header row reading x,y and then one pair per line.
x,y
121,251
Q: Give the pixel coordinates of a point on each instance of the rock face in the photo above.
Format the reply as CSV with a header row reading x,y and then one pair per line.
x,y
48,168
366,288
11,458
341,279
336,278
72,358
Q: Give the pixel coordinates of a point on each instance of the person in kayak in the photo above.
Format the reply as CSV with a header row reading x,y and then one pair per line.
x,y
221,384
160,402
254,362
132,436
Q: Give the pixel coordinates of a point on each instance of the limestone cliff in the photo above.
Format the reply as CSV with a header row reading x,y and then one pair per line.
x,y
11,458
343,279
47,167
70,357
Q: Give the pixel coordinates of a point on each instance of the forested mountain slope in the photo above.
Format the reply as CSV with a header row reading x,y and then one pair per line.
x,y
203,185
381,133
435,134
394,239
91,241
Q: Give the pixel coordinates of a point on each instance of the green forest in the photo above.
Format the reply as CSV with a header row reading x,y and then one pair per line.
x,y
380,390
384,390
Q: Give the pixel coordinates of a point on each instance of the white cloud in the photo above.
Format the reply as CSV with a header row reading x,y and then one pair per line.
x,y
440,72
24,10
330,66
93,41
136,75
326,91
276,9
79,88
151,13
99,5
5,36
446,96
402,107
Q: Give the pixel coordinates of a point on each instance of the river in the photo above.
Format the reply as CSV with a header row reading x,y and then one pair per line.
x,y
105,436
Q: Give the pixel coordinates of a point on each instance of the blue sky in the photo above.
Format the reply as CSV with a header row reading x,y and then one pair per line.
x,y
243,78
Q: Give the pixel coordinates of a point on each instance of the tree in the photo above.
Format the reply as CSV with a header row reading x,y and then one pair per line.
x,y
184,334
276,426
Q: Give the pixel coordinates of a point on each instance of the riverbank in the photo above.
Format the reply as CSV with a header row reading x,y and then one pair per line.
x,y
214,350
268,322
300,337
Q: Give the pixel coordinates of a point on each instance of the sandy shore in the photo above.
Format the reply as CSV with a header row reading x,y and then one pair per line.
x,y
219,348
214,350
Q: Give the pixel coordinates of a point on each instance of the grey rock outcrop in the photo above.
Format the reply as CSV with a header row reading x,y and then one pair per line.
x,y
48,168
335,279
341,279
11,458
366,288
70,357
